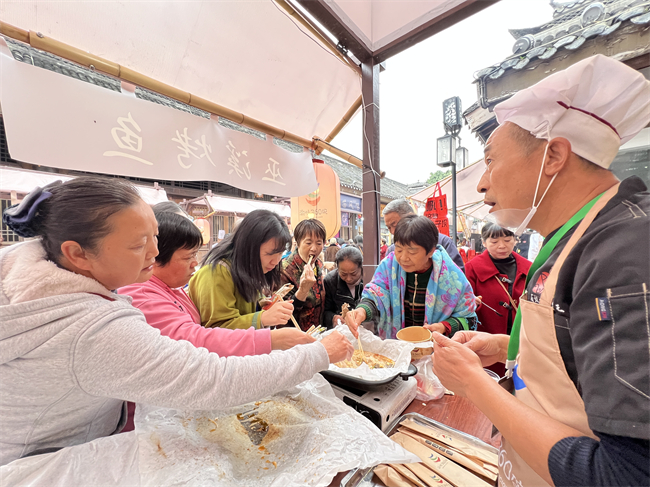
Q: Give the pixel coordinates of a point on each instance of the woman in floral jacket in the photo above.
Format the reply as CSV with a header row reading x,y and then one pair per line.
x,y
309,292
418,284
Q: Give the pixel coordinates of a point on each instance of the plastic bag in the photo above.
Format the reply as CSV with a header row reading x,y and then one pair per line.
x,y
429,386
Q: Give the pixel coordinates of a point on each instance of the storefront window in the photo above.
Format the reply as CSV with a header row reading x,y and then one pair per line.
x,y
8,236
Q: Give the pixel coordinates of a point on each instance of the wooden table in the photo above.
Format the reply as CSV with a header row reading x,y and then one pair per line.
x,y
454,411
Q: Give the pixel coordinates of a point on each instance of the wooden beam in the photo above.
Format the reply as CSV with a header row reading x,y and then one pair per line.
x,y
325,15
371,168
434,26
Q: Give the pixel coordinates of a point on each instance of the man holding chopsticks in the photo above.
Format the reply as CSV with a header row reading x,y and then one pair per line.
x,y
578,357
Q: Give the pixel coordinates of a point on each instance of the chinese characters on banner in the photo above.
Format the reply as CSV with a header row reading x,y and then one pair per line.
x,y
84,127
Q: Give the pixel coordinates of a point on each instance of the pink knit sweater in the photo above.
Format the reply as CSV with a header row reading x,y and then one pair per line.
x,y
174,314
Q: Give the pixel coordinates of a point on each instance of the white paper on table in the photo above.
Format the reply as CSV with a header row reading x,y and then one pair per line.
x,y
320,437
396,350
111,461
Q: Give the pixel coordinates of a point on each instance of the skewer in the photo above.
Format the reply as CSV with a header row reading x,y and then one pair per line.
x,y
498,314
311,329
310,258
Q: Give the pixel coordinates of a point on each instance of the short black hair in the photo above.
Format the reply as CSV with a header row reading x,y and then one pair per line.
x,y
307,228
175,232
351,253
492,230
418,230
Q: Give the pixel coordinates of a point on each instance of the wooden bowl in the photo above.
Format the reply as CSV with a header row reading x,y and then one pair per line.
x,y
414,334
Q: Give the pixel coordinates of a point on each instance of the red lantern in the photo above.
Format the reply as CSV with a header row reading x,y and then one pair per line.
x,y
324,204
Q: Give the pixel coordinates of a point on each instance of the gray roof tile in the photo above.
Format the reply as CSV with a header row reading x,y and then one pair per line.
x,y
351,177
572,32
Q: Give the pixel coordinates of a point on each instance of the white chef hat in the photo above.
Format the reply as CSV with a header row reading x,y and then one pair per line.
x,y
597,104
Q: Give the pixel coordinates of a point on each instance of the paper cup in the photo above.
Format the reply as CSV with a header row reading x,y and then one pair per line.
x,y
422,339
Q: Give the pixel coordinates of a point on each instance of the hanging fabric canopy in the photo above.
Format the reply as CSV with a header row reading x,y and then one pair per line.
x,y
222,204
250,57
23,181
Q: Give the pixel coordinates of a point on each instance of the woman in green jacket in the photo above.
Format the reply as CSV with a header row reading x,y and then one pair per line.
x,y
239,271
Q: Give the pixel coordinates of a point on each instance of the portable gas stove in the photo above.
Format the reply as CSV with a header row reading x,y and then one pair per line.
x,y
382,405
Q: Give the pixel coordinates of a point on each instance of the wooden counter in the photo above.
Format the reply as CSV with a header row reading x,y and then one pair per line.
x,y
454,411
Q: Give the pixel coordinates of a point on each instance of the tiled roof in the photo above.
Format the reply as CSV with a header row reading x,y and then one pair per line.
x,y
576,21
351,178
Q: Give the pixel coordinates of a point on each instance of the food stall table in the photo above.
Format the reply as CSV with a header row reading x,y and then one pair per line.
x,y
454,411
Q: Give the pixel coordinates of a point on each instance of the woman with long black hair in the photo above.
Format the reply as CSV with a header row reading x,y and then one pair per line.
x,y
239,271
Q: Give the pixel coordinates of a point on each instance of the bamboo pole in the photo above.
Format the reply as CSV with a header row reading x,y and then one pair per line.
x,y
321,145
346,118
14,32
38,41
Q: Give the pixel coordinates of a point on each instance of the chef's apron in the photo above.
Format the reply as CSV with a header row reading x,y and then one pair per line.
x,y
540,377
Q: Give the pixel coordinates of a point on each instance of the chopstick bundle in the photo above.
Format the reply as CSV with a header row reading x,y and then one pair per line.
x,y
391,478
448,470
407,474
427,475
452,442
456,456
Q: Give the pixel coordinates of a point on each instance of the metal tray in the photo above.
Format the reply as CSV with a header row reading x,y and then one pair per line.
x,y
362,384
364,477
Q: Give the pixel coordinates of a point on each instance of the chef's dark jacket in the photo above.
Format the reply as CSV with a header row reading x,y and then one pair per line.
x,y
601,308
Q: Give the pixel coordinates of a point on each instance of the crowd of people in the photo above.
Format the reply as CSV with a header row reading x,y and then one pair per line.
x,y
95,313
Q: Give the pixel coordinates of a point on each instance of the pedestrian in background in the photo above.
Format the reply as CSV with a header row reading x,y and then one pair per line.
x,y
498,278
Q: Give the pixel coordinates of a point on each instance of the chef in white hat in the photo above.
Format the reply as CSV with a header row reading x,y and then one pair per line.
x,y
578,358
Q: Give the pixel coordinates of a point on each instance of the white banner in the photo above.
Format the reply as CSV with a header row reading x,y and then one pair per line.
x,y
57,121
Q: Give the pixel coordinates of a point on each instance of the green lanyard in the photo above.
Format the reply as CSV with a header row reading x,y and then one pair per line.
x,y
542,257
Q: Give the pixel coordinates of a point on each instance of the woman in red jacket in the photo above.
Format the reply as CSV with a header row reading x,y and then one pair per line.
x,y
498,278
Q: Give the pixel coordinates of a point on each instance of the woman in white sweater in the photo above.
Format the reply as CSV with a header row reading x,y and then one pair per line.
x,y
72,351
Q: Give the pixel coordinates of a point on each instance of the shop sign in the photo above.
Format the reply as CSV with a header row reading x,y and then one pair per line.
x,y
83,127
345,219
350,203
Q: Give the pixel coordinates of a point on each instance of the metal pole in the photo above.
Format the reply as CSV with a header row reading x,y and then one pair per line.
x,y
370,170
453,202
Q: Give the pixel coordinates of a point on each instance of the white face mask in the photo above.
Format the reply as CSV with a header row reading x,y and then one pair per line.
x,y
515,219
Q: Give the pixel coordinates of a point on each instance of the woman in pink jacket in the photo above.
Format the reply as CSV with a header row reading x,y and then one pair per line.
x,y
166,305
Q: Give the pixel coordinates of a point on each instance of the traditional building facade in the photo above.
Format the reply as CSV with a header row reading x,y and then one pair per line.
x,y
579,29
